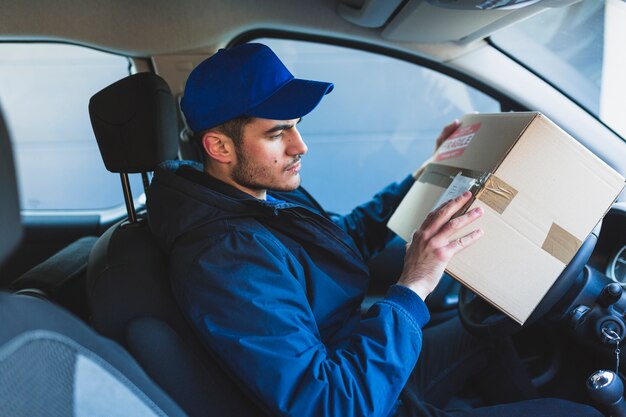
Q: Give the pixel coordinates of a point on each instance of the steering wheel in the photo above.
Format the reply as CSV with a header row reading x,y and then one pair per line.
x,y
482,319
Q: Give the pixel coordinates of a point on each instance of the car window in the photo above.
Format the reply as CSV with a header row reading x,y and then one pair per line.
x,y
378,124
579,49
44,92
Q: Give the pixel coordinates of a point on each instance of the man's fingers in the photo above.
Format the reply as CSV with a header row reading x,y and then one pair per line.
x,y
442,214
461,243
446,132
459,222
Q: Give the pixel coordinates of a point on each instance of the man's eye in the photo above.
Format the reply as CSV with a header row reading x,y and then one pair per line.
x,y
277,136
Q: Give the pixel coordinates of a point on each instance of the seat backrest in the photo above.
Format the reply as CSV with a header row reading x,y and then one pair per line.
x,y
10,223
51,363
127,282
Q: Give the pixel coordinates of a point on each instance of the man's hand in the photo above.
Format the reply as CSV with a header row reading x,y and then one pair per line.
x,y
430,250
445,134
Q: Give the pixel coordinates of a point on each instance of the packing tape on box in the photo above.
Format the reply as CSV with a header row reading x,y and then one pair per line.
x,y
561,244
492,191
496,194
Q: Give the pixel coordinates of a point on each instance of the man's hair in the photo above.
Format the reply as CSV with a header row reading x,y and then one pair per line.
x,y
232,128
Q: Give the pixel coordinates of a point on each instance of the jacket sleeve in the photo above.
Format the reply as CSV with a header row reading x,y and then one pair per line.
x,y
367,223
247,298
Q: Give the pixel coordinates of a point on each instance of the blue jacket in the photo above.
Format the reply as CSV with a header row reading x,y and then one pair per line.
x,y
274,287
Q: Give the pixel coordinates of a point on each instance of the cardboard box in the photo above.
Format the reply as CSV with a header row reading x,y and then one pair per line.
x,y
542,193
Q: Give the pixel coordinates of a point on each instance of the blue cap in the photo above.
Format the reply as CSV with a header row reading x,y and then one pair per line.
x,y
247,80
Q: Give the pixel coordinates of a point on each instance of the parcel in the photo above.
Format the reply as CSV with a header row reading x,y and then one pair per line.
x,y
541,191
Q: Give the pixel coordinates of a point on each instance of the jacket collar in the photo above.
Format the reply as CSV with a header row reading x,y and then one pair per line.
x,y
200,177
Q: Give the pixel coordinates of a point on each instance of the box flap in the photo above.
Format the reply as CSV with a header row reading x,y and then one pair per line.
x,y
483,140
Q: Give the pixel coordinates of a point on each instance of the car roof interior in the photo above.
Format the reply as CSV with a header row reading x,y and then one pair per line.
x,y
171,38
434,28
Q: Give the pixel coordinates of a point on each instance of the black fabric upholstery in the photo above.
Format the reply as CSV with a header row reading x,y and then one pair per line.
x,y
10,222
127,279
53,274
52,364
190,376
134,121
61,278
150,340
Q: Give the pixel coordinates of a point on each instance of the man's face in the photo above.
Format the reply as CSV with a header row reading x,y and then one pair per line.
x,y
268,156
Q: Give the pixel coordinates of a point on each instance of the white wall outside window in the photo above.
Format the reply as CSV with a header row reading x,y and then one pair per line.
x,y
44,93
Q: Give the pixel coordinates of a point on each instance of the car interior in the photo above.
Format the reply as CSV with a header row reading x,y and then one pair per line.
x,y
87,288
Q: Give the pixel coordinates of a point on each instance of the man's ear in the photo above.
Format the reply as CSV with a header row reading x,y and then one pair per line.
x,y
218,147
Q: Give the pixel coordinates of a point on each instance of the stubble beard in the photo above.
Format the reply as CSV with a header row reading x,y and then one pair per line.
x,y
259,178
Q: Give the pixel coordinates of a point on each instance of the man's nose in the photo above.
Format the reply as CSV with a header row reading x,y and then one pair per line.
x,y
296,145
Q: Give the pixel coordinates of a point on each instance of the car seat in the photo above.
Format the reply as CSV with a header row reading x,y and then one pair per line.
x,y
10,221
134,121
51,363
60,278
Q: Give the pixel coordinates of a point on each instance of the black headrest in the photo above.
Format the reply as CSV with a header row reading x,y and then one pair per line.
x,y
10,221
134,120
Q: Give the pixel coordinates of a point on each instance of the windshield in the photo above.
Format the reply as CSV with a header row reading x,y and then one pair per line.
x,y
579,49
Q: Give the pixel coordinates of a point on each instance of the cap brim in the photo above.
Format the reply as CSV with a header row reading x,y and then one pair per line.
x,y
295,99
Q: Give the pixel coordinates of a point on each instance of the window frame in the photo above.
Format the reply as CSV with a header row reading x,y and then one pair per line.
x,y
506,103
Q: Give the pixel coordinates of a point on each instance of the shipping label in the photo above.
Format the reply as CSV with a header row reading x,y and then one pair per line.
x,y
456,144
459,185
